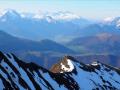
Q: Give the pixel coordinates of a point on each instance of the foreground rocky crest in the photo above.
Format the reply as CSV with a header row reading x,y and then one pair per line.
x,y
67,74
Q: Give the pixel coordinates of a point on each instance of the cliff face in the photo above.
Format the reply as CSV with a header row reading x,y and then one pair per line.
x,y
67,74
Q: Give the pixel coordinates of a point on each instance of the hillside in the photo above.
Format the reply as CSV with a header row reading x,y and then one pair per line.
x,y
29,50
104,43
71,75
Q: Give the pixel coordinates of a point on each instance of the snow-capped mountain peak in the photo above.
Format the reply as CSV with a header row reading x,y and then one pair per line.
x,y
57,15
108,19
95,63
38,16
66,65
118,23
65,16
49,19
113,21
9,15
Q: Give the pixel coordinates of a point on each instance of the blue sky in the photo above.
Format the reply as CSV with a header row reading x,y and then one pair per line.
x,y
86,8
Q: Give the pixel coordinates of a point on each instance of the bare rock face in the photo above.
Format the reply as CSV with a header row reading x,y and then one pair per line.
x,y
65,65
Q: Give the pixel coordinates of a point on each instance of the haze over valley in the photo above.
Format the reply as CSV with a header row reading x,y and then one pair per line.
x,y
44,38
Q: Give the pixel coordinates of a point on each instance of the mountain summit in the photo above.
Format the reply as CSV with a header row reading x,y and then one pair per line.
x,y
65,65
18,75
10,15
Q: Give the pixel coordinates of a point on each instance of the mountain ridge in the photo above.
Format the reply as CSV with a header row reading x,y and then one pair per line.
x,y
31,50
16,74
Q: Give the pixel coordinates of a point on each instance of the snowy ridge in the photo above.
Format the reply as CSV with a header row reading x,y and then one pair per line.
x,y
41,15
18,75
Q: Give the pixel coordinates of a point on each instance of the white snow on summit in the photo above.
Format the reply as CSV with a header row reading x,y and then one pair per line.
x,y
65,16
108,19
118,23
69,68
95,63
56,15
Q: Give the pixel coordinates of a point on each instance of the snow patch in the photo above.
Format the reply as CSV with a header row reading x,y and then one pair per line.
x,y
37,16
69,68
95,64
108,19
118,23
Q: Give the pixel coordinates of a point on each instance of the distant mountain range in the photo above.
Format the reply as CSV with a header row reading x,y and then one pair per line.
x,y
19,44
35,51
39,37
60,26
105,43
103,47
46,27
68,74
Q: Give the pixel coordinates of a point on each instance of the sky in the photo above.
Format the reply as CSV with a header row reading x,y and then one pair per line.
x,y
85,8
